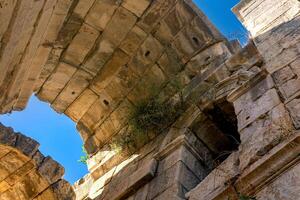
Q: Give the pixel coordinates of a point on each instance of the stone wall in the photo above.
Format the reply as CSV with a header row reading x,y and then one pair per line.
x,y
94,60
25,173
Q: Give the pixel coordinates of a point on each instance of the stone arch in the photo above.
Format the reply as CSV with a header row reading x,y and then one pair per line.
x,y
26,173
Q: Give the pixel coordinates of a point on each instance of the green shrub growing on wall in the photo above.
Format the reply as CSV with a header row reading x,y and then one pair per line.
x,y
148,116
83,159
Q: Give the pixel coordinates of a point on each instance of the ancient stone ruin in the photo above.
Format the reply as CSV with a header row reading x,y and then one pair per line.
x,y
232,131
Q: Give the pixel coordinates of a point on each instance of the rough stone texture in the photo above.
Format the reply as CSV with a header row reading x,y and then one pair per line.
x,y
25,173
94,60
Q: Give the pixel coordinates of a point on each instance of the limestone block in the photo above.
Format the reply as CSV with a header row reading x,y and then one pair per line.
x,y
136,6
106,130
31,185
263,134
284,187
26,145
174,192
149,84
122,83
98,58
121,114
217,179
20,173
154,13
120,25
148,53
6,12
56,82
63,190
178,173
49,65
38,158
81,45
258,107
177,18
290,88
192,39
208,58
101,13
295,66
51,170
106,74
133,40
78,83
7,136
80,106
4,186
83,6
96,114
283,75
10,163
294,109
169,62
69,30
91,145
4,150
47,194
142,193
85,132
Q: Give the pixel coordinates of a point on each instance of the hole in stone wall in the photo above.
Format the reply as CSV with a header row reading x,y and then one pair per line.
x,y
223,116
147,53
196,41
106,102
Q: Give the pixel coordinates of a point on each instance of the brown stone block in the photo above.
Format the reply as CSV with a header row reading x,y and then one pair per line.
x,y
283,75
106,74
149,52
181,15
99,57
97,113
56,82
257,108
81,45
82,7
154,14
136,6
290,88
101,13
294,109
149,85
20,173
80,106
51,170
120,24
133,40
263,134
78,83
192,39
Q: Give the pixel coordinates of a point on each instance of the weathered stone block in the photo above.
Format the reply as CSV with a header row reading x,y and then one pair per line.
x,y
192,39
178,17
101,13
133,40
294,109
283,75
56,82
81,45
83,6
148,53
26,145
102,53
78,83
136,6
106,74
80,106
257,108
290,88
120,24
263,134
51,170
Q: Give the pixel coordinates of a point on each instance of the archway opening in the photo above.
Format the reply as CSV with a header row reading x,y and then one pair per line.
x,y
55,132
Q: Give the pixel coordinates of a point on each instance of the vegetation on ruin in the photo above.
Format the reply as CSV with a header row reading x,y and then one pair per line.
x,y
83,159
148,117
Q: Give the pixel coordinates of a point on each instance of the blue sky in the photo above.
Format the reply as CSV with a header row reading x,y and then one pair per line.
x,y
57,133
